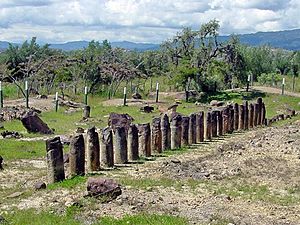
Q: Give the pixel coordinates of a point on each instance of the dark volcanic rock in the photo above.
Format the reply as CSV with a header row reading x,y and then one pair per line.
x,y
33,124
136,96
11,134
1,161
147,109
40,185
119,120
101,187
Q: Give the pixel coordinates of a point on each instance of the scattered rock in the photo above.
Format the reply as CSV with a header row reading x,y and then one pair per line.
x,y
11,134
2,220
33,124
40,185
147,109
136,95
177,161
15,195
216,103
9,113
66,158
79,130
119,120
102,187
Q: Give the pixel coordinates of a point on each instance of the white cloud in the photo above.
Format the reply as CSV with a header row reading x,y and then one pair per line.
x,y
138,20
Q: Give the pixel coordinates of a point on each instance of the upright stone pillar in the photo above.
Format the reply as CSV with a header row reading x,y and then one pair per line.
x,y
231,119
246,117
236,116
176,132
200,127
120,145
165,132
106,148
77,156
225,120
55,161
241,117
133,143
144,139
259,113
256,112
192,129
208,126
185,130
214,124
86,112
220,122
93,150
251,115
263,114
156,136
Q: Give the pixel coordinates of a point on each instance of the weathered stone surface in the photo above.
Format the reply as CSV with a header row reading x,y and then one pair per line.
x,y
92,150
133,143
231,119
216,103
106,148
86,112
156,136
55,162
256,112
120,145
102,187
200,126
263,114
11,134
246,115
33,124
40,185
136,95
214,124
208,126
220,122
259,111
192,129
119,120
77,156
9,113
147,109
185,130
1,161
144,139
241,117
251,115
236,116
165,132
176,132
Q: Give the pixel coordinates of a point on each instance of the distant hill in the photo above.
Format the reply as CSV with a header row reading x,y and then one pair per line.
x,y
288,39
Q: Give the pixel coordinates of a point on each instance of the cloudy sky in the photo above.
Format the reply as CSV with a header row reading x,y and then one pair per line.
x,y
59,21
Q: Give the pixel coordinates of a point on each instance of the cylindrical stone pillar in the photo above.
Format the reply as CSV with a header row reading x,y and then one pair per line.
x,y
208,126
214,124
165,132
241,117
225,120
200,127
246,115
220,122
176,132
259,113
86,111
106,148
231,119
144,139
185,126
93,150
192,129
156,136
77,156
251,115
256,111
263,114
133,143
55,161
236,116
120,146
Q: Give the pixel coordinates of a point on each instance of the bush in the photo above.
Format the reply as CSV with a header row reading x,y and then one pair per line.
x,y
269,79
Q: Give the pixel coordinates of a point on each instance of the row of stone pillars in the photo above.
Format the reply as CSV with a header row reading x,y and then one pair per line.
x,y
125,144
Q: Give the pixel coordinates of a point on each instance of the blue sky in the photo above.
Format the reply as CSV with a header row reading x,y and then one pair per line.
x,y
59,21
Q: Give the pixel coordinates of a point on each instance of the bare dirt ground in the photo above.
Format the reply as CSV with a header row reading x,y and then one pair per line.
x,y
245,178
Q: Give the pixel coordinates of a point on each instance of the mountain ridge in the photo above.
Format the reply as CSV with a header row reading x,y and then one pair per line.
x,y
287,39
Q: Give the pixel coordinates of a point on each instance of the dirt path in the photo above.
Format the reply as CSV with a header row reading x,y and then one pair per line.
x,y
273,90
245,178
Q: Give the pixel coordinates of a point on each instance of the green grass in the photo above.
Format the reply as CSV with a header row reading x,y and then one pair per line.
x,y
12,149
68,183
31,217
